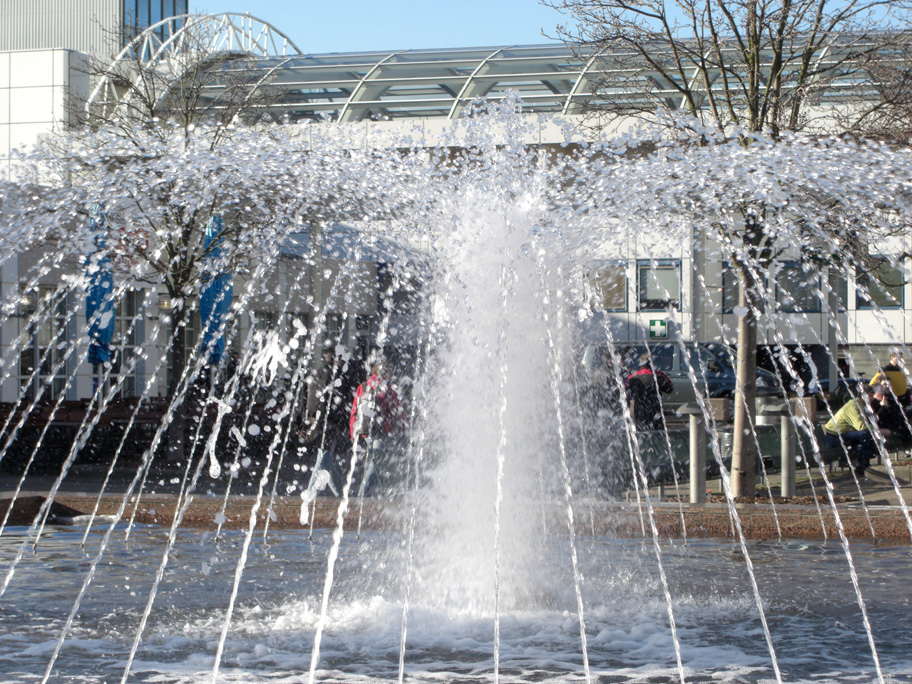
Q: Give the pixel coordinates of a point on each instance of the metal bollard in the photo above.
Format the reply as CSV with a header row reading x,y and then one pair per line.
x,y
787,454
697,459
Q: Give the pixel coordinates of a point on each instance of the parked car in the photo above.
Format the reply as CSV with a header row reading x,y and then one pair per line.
x,y
711,363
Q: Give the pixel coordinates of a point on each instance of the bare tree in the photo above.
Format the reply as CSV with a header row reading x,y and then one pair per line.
x,y
889,114
178,132
741,67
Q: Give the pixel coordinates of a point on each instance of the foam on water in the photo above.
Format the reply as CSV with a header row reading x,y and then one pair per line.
x,y
813,618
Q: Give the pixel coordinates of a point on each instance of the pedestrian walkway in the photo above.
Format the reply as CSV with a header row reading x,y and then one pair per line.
x,y
876,507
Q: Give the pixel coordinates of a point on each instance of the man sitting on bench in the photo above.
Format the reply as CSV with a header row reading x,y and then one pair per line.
x,y
850,428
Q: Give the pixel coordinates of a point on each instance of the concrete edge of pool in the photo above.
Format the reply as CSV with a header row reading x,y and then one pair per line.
x,y
758,520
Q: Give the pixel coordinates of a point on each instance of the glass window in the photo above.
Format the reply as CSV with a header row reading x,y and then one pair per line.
x,y
264,320
296,325
130,20
156,14
663,357
142,13
631,357
608,287
190,332
798,288
129,11
840,286
335,331
880,287
702,360
659,284
399,290
180,9
47,320
123,344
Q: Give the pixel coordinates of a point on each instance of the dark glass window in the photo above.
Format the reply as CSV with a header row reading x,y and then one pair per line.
x,y
662,356
659,284
880,287
41,361
798,288
399,292
839,285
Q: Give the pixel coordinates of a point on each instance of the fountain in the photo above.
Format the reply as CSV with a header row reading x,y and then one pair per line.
x,y
478,531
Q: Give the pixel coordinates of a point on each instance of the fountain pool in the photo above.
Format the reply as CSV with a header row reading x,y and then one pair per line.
x,y
809,604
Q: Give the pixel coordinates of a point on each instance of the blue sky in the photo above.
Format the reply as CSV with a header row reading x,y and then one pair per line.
x,y
351,25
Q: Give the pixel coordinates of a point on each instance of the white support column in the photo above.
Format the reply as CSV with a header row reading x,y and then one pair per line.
x,y
787,453
9,289
697,459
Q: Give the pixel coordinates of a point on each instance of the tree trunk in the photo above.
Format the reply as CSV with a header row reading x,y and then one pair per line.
x,y
743,445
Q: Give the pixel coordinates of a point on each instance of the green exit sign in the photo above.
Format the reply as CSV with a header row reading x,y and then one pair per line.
x,y
658,329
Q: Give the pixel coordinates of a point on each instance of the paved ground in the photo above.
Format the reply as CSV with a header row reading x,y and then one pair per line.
x,y
872,512
876,489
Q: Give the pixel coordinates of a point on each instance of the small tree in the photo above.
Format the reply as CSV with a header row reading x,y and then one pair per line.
x,y
739,67
170,139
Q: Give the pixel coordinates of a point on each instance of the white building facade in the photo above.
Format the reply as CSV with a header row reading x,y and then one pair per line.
x,y
44,46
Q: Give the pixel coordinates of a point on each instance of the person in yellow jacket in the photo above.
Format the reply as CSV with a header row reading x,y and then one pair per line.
x,y
850,428
893,372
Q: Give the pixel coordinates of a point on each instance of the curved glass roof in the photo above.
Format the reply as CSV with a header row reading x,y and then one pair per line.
x,y
416,84
248,54
412,84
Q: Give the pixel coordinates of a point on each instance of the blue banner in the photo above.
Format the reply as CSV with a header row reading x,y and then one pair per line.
x,y
216,292
100,291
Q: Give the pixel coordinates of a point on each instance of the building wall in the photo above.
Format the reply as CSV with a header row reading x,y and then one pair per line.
x,y
38,89
90,26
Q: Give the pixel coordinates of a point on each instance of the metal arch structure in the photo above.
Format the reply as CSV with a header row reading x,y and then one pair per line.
x,y
400,85
421,84
228,34
359,93
461,97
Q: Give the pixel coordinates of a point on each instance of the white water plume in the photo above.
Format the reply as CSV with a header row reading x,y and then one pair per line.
x,y
478,274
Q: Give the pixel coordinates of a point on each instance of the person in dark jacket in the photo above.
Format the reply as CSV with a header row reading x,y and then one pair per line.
x,y
890,413
644,388
893,372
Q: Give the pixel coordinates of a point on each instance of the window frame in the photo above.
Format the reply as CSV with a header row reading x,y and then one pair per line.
x,y
651,265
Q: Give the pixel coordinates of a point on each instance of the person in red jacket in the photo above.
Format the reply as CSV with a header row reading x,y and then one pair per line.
x,y
377,424
376,409
643,388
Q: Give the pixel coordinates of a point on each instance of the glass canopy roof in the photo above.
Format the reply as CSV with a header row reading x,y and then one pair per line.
x,y
413,84
416,83
424,84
